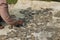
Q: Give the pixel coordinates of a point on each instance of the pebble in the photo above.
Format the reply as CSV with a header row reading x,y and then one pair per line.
x,y
3,37
11,34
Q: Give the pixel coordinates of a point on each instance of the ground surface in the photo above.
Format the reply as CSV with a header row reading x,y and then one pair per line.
x,y
40,23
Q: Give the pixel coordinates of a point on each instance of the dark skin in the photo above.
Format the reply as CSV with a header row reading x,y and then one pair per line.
x,y
6,16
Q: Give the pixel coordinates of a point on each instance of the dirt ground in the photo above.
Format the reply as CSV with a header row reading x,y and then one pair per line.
x,y
41,24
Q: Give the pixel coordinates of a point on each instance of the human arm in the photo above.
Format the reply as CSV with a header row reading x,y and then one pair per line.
x,y
5,14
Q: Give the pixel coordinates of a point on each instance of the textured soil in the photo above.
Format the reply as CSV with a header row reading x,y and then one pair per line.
x,y
41,24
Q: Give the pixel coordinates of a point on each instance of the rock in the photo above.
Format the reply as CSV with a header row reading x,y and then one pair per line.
x,y
58,21
11,34
57,14
49,38
32,37
56,38
3,37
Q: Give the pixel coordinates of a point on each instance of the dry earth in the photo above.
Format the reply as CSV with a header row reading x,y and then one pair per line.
x,y
41,21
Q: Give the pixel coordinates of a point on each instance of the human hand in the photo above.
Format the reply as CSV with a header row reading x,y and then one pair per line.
x,y
20,22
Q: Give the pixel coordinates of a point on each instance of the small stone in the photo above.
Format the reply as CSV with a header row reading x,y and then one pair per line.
x,y
32,37
11,34
57,14
11,27
3,37
57,20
